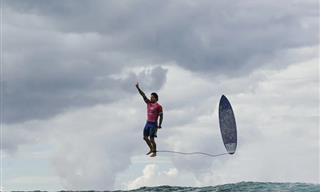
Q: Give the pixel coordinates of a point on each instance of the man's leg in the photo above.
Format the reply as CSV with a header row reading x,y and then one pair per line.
x,y
154,147
148,143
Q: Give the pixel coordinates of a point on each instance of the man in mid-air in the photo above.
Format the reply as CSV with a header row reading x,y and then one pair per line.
x,y
154,110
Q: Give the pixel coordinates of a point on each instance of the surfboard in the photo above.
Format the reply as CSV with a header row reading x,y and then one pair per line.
x,y
228,125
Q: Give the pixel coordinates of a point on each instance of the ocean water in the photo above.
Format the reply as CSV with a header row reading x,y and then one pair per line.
x,y
239,187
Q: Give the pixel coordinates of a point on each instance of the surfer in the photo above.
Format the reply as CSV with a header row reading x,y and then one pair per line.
x,y
154,111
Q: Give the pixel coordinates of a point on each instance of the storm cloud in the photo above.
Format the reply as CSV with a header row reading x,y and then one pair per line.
x,y
60,55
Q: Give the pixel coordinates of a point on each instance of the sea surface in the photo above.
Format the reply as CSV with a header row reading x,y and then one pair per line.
x,y
240,187
236,187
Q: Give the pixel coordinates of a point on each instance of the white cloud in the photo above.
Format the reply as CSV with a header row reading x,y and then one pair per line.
x,y
277,129
277,119
276,112
152,176
89,146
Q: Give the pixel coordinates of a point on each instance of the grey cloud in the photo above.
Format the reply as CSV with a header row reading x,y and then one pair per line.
x,y
13,139
207,36
42,97
64,56
153,79
149,79
48,72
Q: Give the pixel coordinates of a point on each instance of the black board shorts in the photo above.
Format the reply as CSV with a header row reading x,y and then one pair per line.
x,y
150,129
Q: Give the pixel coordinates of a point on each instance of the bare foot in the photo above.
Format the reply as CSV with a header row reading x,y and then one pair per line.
x,y
149,152
153,155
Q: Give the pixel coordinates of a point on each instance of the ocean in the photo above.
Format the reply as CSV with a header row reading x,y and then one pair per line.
x,y
239,187
236,187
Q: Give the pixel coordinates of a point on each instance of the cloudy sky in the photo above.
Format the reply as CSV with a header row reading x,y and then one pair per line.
x,y
71,118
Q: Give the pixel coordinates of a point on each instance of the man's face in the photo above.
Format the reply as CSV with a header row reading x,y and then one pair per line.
x,y
153,99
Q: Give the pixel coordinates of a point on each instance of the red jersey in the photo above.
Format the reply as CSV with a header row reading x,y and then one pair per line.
x,y
153,111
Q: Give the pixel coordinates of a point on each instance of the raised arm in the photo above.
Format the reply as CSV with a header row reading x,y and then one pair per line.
x,y
142,93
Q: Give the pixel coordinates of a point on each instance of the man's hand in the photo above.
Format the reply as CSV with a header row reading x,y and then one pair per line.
x,y
159,127
142,93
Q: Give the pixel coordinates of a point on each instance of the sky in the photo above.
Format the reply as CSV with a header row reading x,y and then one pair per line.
x,y
72,119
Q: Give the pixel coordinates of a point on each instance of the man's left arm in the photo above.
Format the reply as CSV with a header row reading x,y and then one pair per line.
x,y
160,121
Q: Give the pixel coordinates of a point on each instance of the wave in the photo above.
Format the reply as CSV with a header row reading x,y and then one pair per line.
x,y
239,187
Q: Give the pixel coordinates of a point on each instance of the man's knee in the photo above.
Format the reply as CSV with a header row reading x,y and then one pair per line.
x,y
152,139
145,138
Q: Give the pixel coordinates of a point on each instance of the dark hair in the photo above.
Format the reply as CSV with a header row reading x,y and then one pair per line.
x,y
155,95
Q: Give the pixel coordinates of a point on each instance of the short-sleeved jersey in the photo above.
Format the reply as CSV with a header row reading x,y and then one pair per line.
x,y
153,111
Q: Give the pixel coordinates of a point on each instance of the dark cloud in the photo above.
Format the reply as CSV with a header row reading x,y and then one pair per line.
x,y
59,55
41,97
203,36
48,72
